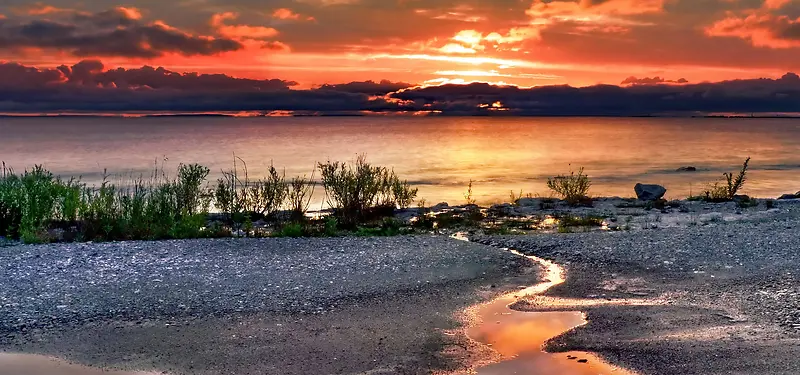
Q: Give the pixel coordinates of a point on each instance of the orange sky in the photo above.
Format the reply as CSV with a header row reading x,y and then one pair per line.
x,y
522,42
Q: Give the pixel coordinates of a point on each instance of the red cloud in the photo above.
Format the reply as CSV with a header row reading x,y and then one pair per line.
x,y
760,28
288,14
39,9
651,81
567,8
240,31
606,16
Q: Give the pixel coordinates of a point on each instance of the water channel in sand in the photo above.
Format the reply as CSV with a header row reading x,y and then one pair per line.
x,y
519,336
31,364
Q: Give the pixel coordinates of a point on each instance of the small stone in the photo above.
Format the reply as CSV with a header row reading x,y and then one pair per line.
x,y
583,360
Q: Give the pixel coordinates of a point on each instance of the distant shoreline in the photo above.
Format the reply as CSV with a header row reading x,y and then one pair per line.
x,y
389,114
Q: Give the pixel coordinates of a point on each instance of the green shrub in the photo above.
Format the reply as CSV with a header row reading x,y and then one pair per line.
x,y
225,193
331,227
291,230
403,193
357,190
719,192
573,188
580,221
268,195
468,196
299,196
389,227
190,195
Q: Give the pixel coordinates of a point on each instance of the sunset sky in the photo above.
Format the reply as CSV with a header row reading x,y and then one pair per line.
x,y
304,44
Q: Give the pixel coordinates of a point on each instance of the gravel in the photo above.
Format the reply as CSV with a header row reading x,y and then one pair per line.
x,y
731,292
253,306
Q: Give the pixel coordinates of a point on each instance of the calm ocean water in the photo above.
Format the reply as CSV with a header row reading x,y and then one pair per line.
x,y
439,155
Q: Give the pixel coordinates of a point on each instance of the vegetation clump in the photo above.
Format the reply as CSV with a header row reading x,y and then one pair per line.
x,y
729,189
573,188
360,191
36,206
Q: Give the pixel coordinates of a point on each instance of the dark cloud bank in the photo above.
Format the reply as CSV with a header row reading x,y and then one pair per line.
x,y
113,32
88,87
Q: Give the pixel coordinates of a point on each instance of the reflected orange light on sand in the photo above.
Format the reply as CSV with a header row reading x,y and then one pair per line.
x,y
519,336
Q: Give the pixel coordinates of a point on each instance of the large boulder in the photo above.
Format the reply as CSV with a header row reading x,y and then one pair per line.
x,y
649,192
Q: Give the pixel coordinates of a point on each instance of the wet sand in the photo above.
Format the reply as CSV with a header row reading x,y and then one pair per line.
x,y
519,337
714,299
30,364
394,321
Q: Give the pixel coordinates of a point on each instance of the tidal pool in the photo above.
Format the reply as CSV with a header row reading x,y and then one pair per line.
x,y
31,364
519,336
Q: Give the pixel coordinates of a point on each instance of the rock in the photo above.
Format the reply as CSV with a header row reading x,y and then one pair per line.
x,y
687,169
505,209
407,214
583,360
790,196
741,198
440,206
529,202
649,192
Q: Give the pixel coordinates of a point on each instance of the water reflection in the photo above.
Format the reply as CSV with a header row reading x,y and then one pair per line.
x,y
30,364
519,336
440,155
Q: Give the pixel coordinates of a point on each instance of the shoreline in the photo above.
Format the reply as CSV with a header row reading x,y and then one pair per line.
x,y
714,299
500,316
729,283
395,325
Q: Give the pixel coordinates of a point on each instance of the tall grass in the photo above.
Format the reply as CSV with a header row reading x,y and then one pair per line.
x,y
36,206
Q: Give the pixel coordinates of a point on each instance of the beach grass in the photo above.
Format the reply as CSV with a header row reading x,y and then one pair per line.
x,y
38,207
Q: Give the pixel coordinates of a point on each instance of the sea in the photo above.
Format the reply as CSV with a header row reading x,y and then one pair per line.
x,y
439,155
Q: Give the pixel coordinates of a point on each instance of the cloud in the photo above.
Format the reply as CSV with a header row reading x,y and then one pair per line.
x,y
288,15
651,81
240,31
367,87
39,9
89,87
761,29
591,11
116,32
754,95
776,4
92,74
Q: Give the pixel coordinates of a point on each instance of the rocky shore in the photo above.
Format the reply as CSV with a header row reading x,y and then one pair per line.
x,y
720,280
244,306
719,298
